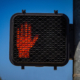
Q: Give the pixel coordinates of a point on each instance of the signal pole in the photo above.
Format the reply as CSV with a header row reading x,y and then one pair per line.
x,y
76,24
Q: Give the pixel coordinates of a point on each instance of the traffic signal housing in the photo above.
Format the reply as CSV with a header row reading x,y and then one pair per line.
x,y
39,39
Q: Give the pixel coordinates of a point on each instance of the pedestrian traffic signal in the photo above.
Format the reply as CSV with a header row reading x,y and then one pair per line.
x,y
39,39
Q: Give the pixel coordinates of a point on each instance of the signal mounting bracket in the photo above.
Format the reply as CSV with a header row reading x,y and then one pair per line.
x,y
55,67
71,41
55,11
22,67
23,11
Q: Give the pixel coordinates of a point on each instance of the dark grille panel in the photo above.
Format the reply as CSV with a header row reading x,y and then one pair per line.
x,y
51,44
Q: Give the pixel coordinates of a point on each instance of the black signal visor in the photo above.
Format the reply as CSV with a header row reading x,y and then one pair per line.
x,y
39,39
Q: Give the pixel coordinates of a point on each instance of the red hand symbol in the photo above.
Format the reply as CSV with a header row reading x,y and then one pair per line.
x,y
24,41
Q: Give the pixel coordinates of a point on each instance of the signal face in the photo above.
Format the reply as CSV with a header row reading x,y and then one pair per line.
x,y
39,39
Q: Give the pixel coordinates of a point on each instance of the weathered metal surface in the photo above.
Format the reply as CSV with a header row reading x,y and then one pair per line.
x,y
76,23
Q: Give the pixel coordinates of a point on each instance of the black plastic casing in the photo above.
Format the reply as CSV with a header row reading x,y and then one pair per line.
x,y
38,63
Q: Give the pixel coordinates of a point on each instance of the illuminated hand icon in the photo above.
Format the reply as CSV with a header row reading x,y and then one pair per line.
x,y
24,41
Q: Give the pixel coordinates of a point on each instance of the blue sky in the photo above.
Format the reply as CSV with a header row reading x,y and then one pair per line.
x,y
9,71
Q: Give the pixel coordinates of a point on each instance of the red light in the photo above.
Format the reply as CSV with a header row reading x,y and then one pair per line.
x,y
24,41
